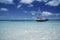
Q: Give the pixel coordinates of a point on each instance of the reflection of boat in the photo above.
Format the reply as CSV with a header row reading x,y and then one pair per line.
x,y
38,17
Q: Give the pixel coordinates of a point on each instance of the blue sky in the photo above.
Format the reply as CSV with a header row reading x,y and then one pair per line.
x,y
26,9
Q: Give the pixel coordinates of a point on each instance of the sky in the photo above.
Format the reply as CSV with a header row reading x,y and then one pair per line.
x,y
27,9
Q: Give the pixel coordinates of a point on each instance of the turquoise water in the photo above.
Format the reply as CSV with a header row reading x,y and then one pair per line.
x,y
29,30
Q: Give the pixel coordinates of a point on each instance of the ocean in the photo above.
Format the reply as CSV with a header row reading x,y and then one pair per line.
x,y
29,30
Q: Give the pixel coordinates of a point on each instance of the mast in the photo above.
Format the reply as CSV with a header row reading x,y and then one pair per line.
x,y
39,13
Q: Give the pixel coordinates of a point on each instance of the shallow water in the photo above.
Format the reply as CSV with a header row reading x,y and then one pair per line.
x,y
29,30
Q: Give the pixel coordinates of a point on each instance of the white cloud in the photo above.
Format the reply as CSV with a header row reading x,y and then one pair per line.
x,y
33,12
3,9
7,1
45,0
53,3
25,11
19,6
26,1
39,0
45,13
31,5
42,0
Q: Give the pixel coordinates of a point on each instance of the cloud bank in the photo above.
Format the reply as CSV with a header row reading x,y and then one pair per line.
x,y
47,2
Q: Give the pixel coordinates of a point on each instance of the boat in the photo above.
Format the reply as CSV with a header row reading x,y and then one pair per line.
x,y
38,17
41,20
